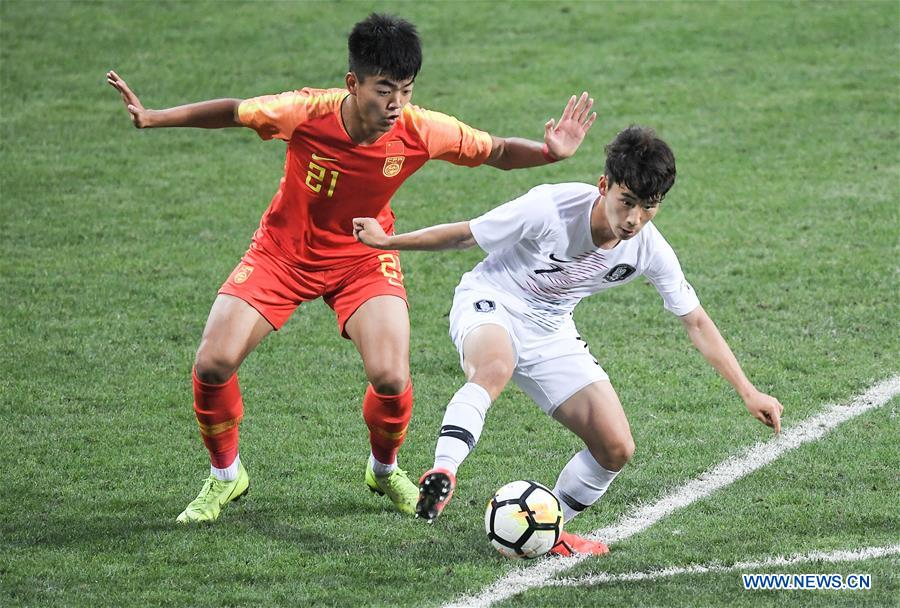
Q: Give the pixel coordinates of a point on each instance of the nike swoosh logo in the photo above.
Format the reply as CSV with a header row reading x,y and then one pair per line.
x,y
556,259
317,157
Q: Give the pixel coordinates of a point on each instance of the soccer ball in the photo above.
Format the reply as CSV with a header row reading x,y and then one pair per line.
x,y
523,519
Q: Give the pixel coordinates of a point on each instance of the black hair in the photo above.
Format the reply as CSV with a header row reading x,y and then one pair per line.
x,y
640,161
384,45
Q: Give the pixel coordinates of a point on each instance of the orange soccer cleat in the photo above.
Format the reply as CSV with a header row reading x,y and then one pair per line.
x,y
435,489
571,544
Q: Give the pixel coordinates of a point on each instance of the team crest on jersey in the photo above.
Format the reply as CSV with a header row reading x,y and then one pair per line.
x,y
485,306
395,153
392,165
619,272
242,273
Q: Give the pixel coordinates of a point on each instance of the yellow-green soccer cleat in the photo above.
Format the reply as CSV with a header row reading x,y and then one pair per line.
x,y
402,492
215,495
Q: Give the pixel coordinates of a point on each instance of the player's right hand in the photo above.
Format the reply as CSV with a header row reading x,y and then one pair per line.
x,y
139,115
765,408
369,232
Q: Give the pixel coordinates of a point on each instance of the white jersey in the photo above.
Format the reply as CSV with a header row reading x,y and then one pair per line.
x,y
541,255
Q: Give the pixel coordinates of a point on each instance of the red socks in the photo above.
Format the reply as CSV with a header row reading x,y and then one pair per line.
x,y
219,409
387,417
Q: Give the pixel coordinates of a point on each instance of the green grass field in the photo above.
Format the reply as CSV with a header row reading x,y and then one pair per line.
x,y
784,120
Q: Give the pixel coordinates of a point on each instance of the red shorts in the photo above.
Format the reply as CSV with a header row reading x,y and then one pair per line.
x,y
275,288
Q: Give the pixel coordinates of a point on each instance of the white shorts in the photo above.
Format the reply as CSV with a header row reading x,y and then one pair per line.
x,y
550,366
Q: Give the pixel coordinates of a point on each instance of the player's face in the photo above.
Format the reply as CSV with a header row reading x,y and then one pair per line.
x,y
625,212
380,99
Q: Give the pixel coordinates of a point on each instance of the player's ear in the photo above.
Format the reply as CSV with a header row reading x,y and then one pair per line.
x,y
352,82
603,185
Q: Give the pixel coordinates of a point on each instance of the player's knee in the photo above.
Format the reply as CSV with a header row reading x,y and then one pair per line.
x,y
214,368
614,454
625,450
620,452
493,376
389,382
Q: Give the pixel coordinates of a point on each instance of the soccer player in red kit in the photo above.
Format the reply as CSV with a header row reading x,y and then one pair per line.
x,y
348,150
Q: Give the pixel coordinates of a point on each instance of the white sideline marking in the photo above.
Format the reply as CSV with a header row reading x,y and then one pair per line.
x,y
729,471
816,556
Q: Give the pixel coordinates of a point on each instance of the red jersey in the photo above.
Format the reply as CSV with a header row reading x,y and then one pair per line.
x,y
329,179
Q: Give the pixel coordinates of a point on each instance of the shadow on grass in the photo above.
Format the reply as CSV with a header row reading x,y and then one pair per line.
x,y
122,529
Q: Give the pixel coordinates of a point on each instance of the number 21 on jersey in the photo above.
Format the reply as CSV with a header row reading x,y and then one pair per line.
x,y
317,176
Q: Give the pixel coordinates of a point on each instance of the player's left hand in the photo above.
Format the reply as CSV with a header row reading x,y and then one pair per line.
x,y
765,408
369,232
564,137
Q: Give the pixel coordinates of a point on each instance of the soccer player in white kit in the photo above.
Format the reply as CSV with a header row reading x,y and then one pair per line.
x,y
512,316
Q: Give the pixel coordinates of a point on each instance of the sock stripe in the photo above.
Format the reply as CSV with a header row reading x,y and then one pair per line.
x,y
458,432
390,436
571,502
211,430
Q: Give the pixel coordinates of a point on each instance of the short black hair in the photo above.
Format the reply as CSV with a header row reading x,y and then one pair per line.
x,y
385,45
637,159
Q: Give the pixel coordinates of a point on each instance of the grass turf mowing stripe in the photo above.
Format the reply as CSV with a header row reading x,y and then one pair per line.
x,y
724,474
832,557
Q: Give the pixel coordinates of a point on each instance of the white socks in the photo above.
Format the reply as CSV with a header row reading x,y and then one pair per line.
x,y
462,425
581,483
229,473
379,468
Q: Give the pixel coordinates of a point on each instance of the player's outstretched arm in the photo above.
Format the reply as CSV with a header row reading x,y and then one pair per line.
x,y
706,337
561,139
369,232
213,114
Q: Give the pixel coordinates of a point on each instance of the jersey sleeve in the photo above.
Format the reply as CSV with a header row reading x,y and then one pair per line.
x,y
447,138
664,272
525,218
274,115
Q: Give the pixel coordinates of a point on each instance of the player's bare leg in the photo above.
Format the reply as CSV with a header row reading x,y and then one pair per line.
x,y
380,331
488,361
489,358
233,330
594,414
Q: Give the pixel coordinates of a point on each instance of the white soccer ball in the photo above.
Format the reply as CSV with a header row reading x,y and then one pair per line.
x,y
523,519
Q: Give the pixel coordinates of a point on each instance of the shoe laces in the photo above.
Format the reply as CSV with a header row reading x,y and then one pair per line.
x,y
209,486
394,483
391,477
